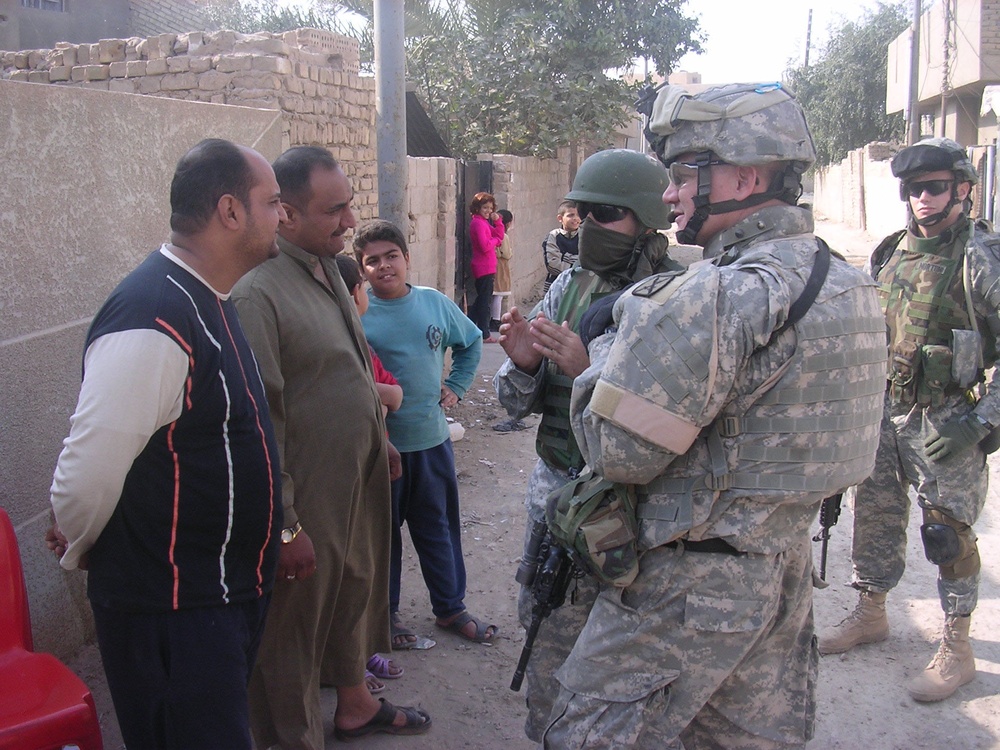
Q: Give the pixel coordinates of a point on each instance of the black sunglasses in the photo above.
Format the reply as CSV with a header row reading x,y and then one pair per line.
x,y
934,187
602,212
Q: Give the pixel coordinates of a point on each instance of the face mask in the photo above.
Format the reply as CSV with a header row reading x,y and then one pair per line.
x,y
620,258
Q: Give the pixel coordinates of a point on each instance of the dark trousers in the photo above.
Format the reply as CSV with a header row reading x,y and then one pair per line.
x,y
179,679
479,311
426,499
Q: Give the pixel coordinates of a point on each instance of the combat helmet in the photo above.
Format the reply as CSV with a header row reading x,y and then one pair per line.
x,y
933,155
742,124
620,177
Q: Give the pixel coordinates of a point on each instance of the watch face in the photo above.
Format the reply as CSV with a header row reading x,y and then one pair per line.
x,y
286,536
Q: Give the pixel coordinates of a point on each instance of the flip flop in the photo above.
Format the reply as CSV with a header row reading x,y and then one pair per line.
x,y
417,722
373,683
383,668
482,635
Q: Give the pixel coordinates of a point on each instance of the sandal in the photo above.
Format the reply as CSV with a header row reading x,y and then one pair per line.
x,y
403,639
483,634
417,721
383,668
373,683
510,425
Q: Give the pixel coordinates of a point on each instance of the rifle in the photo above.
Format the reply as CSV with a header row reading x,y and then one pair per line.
x,y
547,570
829,514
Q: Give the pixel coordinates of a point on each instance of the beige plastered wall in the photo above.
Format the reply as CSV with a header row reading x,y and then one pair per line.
x,y
861,192
83,198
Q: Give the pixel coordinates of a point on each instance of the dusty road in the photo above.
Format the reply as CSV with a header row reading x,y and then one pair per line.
x,y
465,687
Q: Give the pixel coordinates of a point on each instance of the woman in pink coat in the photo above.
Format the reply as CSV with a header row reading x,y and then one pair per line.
x,y
487,232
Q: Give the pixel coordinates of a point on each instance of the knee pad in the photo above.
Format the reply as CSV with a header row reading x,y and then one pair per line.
x,y
949,544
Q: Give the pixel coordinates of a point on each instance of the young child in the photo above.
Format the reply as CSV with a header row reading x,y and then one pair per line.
x,y
559,247
501,284
390,393
412,327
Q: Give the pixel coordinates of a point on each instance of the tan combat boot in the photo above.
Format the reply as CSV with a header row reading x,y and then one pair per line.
x,y
952,666
866,624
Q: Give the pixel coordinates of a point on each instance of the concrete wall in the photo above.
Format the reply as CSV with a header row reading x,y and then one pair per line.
x,y
532,190
861,192
85,196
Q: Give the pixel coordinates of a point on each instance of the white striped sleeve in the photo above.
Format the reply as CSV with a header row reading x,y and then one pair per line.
x,y
133,384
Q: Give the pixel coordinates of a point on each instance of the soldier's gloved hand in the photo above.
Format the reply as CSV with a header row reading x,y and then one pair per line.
x,y
598,318
956,435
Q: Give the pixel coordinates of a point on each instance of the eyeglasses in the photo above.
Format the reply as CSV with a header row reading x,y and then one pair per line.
x,y
681,173
602,212
934,187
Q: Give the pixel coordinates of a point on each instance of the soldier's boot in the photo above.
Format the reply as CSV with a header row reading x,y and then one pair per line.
x,y
866,624
952,666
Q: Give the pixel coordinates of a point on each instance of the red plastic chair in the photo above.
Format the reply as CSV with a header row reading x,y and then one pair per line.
x,y
43,705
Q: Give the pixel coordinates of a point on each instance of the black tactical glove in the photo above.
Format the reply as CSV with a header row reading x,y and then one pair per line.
x,y
598,318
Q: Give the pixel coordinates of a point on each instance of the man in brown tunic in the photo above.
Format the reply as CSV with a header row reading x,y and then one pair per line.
x,y
331,600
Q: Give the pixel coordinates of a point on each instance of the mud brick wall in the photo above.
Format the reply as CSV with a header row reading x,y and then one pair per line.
x,y
308,76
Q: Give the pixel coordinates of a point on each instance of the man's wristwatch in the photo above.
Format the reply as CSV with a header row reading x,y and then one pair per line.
x,y
287,535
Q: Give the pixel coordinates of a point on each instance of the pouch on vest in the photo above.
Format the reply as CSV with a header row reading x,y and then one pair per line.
x,y
966,348
936,362
595,520
903,366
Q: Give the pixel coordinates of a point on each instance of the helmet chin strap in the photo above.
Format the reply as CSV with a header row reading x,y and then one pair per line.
x,y
935,219
703,208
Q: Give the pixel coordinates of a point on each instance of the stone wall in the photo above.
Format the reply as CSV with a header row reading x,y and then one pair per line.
x,y
308,76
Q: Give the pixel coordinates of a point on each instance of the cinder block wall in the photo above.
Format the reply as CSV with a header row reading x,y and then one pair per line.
x,y
532,190
85,197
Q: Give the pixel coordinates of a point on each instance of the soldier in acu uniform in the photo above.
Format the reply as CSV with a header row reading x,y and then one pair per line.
x,y
618,193
736,396
938,281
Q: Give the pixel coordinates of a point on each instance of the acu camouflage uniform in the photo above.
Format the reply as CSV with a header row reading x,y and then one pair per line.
x,y
737,431
548,392
923,289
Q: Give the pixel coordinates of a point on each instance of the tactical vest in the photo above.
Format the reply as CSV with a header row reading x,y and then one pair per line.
x,y
923,298
555,443
756,474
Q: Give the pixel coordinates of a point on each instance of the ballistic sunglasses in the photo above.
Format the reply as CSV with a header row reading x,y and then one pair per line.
x,y
934,187
680,173
602,212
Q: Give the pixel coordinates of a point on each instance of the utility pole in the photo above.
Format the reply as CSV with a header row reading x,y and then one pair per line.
x,y
913,104
945,66
809,32
390,113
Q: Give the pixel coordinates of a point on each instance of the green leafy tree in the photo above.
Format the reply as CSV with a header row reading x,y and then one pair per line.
x,y
843,94
511,76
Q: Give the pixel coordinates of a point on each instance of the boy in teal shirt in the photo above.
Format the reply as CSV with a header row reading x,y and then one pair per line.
x,y
411,327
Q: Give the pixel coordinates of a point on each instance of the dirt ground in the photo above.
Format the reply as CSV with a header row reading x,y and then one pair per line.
x,y
465,687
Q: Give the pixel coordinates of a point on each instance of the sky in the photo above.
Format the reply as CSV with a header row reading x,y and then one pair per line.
x,y
753,40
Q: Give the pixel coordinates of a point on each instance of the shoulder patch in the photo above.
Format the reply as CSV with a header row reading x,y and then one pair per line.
x,y
654,284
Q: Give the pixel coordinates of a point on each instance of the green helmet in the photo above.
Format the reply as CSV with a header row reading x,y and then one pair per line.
x,y
744,124
619,177
934,155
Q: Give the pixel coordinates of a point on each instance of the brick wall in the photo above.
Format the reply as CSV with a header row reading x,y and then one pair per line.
x,y
309,76
149,17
